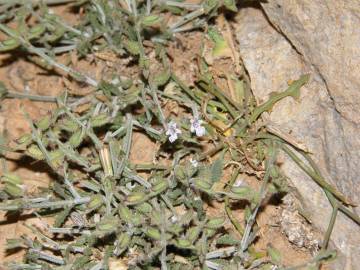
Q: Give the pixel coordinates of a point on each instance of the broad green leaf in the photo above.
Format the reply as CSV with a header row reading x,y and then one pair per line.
x,y
217,169
274,254
151,20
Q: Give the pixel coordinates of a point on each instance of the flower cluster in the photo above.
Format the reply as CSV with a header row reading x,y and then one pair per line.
x,y
195,127
172,131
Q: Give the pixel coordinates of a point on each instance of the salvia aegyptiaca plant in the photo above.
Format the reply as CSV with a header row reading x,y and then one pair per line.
x,y
104,207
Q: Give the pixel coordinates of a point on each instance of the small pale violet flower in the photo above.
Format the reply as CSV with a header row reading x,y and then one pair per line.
x,y
239,182
194,162
196,127
174,219
172,131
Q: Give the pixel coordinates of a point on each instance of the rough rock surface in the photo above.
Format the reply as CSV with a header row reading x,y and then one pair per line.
x,y
283,41
327,35
298,231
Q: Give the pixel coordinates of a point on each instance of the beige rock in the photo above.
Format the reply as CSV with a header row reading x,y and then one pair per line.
x,y
326,117
327,36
